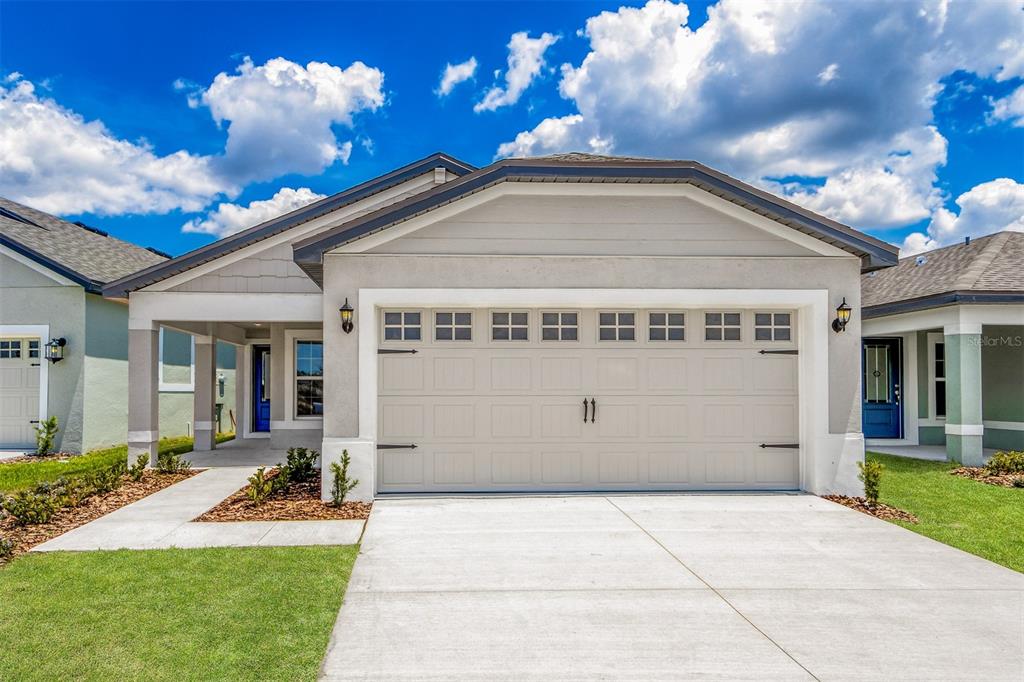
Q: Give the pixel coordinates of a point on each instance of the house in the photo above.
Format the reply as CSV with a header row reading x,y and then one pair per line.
x,y
944,349
51,275
562,323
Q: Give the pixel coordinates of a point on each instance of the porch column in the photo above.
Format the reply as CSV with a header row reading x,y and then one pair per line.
x,y
241,381
964,427
204,396
143,396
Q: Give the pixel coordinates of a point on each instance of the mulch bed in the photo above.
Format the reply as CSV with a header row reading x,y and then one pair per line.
x,y
53,456
299,502
982,476
92,508
881,511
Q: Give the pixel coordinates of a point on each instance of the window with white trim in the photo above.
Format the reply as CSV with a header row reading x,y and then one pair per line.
x,y
559,326
507,325
453,326
10,349
616,326
309,378
773,327
722,326
939,378
403,325
666,326
33,348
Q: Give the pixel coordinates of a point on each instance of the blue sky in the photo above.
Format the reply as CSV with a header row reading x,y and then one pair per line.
x,y
882,115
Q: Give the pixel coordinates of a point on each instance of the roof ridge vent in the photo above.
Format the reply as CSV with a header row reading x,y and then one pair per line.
x,y
920,260
158,252
90,228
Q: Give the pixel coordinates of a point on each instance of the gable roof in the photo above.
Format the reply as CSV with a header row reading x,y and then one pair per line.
x,y
82,254
578,167
984,270
285,222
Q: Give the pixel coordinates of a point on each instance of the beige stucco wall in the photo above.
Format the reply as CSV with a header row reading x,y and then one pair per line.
x,y
344,275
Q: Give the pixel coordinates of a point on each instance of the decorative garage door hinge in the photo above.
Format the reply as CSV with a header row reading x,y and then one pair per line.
x,y
392,351
792,446
396,446
779,352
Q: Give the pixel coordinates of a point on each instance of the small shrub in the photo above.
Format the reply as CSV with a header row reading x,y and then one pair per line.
x,y
281,481
172,463
138,468
69,492
871,475
1006,462
30,507
1018,482
341,484
301,464
46,434
260,487
6,548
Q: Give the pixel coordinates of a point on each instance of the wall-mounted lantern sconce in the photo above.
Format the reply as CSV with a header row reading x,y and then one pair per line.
x,y
842,317
55,349
346,317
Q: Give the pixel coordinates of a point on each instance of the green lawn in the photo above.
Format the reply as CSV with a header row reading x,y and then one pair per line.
x,y
976,517
261,613
22,475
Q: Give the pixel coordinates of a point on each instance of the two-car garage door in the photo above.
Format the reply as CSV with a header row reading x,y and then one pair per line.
x,y
530,400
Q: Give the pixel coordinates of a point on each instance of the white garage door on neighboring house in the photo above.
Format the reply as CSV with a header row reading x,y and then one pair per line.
x,y
535,400
19,391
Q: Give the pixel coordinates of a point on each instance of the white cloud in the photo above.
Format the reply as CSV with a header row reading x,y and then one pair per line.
x,y
1010,108
745,92
280,115
525,61
454,74
227,218
986,208
51,158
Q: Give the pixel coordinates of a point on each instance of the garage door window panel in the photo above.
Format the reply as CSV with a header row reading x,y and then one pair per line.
x,y
723,326
309,379
451,325
10,349
666,326
403,325
771,326
560,326
510,325
33,348
616,325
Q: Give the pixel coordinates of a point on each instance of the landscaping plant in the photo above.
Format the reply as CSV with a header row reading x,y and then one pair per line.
x,y
871,476
260,487
341,484
171,463
301,464
1006,462
46,434
136,470
28,507
6,548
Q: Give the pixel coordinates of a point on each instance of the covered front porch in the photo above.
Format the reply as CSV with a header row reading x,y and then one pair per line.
x,y
240,452
945,382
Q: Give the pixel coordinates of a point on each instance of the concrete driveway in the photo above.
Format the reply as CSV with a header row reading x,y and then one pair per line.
x,y
668,587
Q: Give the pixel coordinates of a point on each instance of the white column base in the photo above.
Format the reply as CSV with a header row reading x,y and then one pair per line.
x,y
835,465
363,466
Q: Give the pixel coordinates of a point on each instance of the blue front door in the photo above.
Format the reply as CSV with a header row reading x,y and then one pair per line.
x,y
260,388
882,407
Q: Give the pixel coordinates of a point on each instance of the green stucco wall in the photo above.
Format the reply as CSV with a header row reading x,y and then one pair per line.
x,y
1002,373
922,375
176,407
106,372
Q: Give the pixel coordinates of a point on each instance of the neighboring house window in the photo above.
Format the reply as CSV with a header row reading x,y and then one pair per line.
x,y
452,326
510,326
403,325
177,361
773,327
10,349
309,378
721,326
556,326
33,348
666,326
613,326
939,368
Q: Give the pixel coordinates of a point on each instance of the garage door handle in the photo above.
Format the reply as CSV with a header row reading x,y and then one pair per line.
x,y
584,410
593,410
396,446
779,352
792,446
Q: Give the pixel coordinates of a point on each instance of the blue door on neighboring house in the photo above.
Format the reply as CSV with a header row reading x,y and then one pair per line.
x,y
882,408
261,388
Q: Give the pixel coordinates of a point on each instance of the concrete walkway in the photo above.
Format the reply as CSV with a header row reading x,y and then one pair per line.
x,y
667,587
164,519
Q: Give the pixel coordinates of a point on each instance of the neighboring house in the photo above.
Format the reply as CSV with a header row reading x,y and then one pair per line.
x,y
567,323
51,275
944,348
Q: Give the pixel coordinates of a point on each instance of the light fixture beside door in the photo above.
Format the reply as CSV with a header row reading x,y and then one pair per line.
x,y
346,317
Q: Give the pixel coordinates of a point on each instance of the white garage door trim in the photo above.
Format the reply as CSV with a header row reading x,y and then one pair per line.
x,y
811,304
43,332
